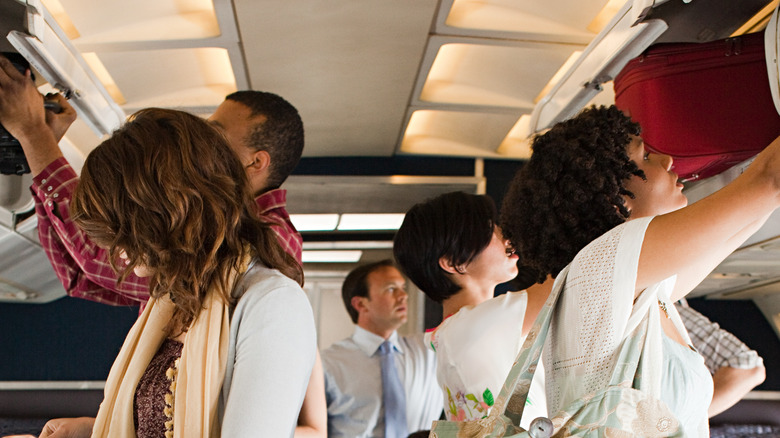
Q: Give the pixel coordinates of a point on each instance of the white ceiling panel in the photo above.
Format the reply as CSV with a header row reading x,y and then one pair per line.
x,y
456,133
552,20
486,73
348,66
112,21
171,78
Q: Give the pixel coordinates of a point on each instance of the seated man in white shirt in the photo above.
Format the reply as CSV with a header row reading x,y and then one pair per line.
x,y
359,369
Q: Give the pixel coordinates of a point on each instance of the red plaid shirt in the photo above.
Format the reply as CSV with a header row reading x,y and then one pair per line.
x,y
83,267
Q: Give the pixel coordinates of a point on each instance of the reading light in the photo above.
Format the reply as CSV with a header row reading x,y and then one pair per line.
x,y
353,222
315,222
331,256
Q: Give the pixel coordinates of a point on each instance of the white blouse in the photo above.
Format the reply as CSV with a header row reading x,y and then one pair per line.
x,y
475,349
597,311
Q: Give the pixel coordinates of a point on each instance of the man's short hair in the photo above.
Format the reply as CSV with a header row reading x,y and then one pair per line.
x,y
281,134
356,284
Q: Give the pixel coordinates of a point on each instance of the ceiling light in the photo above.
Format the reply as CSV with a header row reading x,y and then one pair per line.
x,y
370,221
607,13
58,12
315,222
518,143
104,76
385,244
758,21
558,75
331,256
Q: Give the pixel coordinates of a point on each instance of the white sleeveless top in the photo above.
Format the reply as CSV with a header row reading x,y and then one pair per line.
x,y
475,349
597,311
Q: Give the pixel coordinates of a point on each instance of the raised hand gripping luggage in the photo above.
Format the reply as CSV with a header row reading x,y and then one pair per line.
x,y
708,105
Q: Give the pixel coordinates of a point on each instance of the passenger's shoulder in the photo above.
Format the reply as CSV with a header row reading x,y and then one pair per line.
x,y
268,290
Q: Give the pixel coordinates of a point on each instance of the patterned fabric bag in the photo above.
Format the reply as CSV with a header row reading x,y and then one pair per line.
x,y
619,410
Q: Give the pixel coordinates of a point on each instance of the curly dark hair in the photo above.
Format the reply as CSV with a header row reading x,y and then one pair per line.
x,y
571,189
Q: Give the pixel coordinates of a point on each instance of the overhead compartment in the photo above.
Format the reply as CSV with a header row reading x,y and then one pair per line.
x,y
26,274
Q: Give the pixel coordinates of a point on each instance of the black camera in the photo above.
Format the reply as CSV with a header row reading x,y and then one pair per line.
x,y
12,159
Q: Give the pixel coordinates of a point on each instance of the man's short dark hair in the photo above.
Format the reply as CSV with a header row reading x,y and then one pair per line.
x,y
456,226
281,135
356,284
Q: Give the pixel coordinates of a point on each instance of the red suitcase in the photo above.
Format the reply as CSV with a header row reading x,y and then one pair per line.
x,y
708,105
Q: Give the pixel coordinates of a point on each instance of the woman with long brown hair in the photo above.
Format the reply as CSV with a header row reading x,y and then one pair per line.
x,y
226,345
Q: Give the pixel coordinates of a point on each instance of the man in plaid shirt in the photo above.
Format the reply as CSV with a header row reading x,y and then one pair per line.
x,y
735,368
265,131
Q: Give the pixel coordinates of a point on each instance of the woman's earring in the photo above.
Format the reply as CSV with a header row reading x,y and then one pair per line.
x,y
460,269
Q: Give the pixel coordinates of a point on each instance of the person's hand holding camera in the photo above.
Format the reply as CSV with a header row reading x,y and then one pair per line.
x,y
21,105
23,115
59,121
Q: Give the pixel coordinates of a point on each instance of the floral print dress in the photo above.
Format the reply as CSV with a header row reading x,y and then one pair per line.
x,y
475,349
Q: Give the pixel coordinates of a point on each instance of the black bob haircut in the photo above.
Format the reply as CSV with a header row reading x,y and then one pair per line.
x,y
456,226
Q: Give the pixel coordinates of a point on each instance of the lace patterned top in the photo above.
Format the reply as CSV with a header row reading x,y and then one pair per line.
x,y
597,311
475,349
153,404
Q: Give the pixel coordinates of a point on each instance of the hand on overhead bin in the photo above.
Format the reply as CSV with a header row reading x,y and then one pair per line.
x,y
23,115
21,105
59,121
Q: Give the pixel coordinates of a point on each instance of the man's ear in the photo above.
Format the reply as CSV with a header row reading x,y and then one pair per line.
x,y
446,264
358,303
259,171
261,160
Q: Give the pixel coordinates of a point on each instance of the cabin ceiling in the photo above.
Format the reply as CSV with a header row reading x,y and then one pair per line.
x,y
370,78
373,78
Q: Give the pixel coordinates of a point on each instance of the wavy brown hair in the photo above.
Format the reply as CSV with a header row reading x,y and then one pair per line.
x,y
571,189
168,190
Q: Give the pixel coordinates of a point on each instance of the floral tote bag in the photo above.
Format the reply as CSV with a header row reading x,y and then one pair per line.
x,y
615,411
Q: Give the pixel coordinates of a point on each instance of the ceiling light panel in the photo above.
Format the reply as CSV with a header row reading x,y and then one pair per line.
x,y
331,256
111,21
359,222
469,72
460,133
315,222
552,20
171,78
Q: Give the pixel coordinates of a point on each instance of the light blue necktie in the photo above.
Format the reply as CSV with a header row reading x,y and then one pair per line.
x,y
393,396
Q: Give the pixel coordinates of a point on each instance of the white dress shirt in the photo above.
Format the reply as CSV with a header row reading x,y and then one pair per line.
x,y
353,384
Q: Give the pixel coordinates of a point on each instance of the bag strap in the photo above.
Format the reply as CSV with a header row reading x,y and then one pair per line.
x,y
514,393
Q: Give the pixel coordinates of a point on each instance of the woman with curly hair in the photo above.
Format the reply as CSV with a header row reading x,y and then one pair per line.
x,y
593,199
226,344
453,250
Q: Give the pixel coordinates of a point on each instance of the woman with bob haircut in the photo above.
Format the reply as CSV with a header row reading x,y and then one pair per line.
x,y
592,198
452,249
226,344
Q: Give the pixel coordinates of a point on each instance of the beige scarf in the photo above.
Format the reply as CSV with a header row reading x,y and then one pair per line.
x,y
201,369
